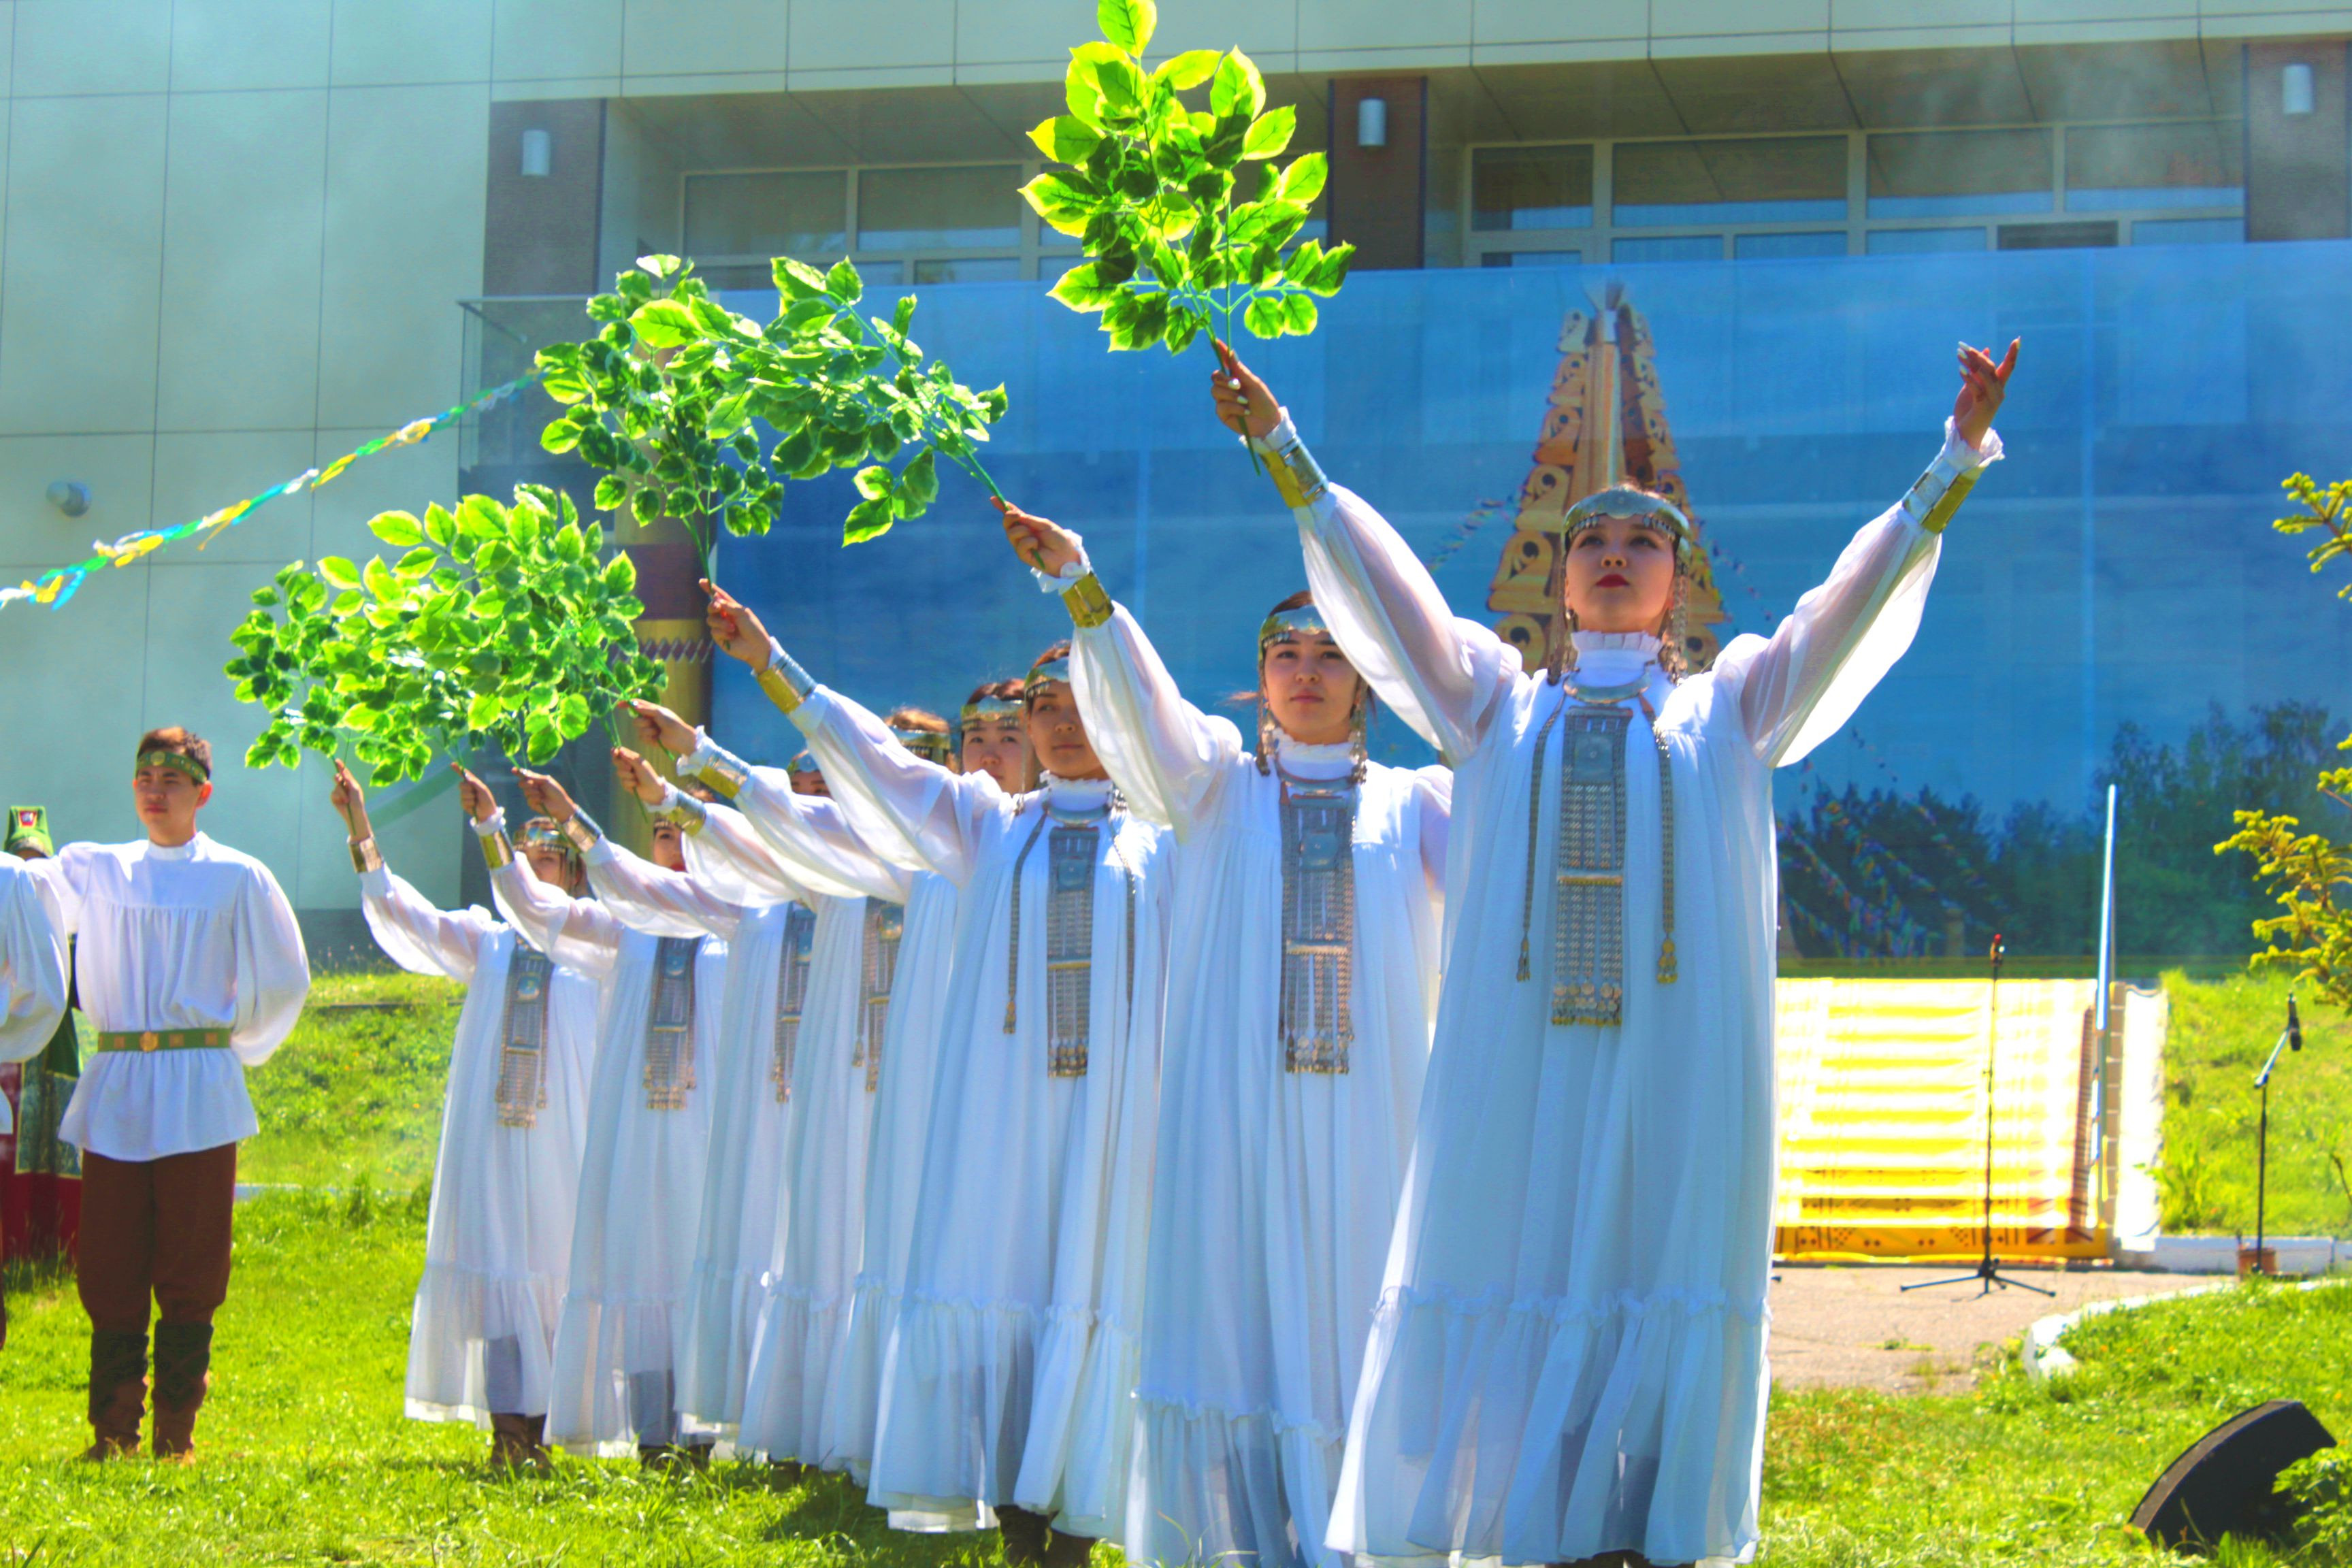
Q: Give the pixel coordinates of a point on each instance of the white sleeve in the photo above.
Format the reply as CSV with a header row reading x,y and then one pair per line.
x,y
659,902
273,971
1435,787
580,934
810,835
1165,754
32,966
1442,675
911,811
1799,686
417,936
728,855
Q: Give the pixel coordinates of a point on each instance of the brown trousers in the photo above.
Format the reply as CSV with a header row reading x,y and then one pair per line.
x,y
155,1227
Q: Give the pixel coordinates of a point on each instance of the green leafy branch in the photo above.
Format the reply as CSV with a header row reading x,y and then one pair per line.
x,y
2309,874
670,398
1184,216
497,626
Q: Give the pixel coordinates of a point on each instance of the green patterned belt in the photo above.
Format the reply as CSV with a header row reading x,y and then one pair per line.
x,y
163,1039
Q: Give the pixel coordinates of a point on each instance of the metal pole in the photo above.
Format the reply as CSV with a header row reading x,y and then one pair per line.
x,y
2261,1175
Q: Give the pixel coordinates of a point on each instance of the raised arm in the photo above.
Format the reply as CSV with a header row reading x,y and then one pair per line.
x,y
1801,685
577,934
1165,754
32,965
273,971
723,851
641,895
1442,675
908,810
413,934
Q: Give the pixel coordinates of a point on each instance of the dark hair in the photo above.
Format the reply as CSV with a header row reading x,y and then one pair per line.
x,y
1008,690
1298,601
175,738
1059,650
921,719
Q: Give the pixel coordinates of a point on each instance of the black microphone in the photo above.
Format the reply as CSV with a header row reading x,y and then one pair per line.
x,y
2294,1023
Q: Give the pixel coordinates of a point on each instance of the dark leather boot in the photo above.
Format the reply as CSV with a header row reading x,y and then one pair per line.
x,y
1068,1551
1025,1536
514,1441
183,1358
118,1391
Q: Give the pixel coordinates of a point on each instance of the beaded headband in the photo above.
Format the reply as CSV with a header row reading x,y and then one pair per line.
x,y
802,763
29,824
1292,625
991,711
1654,514
928,744
545,833
1046,672
180,762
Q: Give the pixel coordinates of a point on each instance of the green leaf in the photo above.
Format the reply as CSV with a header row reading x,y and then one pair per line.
x,y
873,482
867,520
660,267
920,484
361,717
1302,181
339,572
612,493
483,710
1298,314
1270,133
842,282
379,580
419,561
1265,317
796,280
665,324
397,529
620,575
1127,23
1065,139
1082,288
1237,91
1188,71
439,526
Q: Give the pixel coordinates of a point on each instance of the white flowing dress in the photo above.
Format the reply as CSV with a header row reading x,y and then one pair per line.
x,y
1005,1381
618,1339
804,1325
497,1240
32,971
739,1240
1568,1356
1275,1189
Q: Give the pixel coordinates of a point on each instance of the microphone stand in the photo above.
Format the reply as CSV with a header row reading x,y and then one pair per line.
x,y
2291,1035
1987,1273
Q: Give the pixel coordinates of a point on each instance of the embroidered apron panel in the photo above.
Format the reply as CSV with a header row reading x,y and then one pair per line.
x,y
791,995
1318,925
522,1038
669,1025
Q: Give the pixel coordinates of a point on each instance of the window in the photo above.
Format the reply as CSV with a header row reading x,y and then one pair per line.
x,y
2188,231
1777,246
983,270
1765,180
1533,258
1922,241
976,206
2121,168
1939,174
1670,248
1530,187
803,214
2056,236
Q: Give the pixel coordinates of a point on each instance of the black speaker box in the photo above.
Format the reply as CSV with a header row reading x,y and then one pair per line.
x,y
2223,1484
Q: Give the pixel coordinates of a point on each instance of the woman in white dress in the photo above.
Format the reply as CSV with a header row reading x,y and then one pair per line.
x,y
1568,1358
805,1319
497,1241
1003,1391
1302,979
618,1343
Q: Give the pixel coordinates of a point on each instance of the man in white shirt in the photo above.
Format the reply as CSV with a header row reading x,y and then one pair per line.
x,y
191,966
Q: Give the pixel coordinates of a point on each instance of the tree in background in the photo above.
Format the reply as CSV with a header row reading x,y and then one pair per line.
x,y
2307,875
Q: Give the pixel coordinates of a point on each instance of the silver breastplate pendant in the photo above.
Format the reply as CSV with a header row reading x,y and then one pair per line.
x,y
791,995
1588,956
1072,848
669,1025
886,923
1318,922
522,1038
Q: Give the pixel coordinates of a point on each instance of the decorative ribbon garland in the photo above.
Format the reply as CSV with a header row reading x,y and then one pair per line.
x,y
59,584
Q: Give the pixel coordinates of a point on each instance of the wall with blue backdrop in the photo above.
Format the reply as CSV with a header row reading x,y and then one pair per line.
x,y
2118,567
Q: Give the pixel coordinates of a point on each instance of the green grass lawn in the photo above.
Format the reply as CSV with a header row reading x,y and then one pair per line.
x,y
307,1458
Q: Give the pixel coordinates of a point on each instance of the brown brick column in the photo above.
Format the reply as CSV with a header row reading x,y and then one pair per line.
x,y
1377,194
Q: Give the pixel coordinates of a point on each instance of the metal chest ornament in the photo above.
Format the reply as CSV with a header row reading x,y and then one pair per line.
x,y
885,925
1588,958
791,995
669,1025
522,1038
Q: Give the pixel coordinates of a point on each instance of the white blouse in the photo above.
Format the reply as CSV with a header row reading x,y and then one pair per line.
x,y
32,971
196,936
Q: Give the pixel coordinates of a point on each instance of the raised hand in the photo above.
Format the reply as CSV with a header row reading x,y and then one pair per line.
x,y
1983,384
1246,404
474,795
546,796
1046,546
638,776
349,800
734,627
658,726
